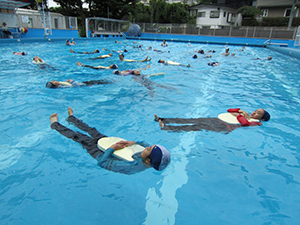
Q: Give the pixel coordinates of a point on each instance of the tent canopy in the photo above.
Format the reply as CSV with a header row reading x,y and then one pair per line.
x,y
10,4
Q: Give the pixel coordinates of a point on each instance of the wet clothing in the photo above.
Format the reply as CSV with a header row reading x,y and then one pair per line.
x,y
105,159
213,124
197,124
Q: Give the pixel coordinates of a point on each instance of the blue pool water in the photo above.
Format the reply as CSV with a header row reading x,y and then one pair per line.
x,y
249,176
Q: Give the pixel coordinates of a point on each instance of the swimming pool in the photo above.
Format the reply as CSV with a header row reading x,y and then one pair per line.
x,y
249,176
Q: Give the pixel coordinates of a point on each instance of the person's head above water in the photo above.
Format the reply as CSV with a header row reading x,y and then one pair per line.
x,y
161,61
52,84
121,56
113,66
260,114
157,156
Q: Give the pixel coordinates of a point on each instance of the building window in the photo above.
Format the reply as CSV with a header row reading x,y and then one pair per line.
x,y
201,14
214,14
30,24
224,14
265,12
287,12
56,23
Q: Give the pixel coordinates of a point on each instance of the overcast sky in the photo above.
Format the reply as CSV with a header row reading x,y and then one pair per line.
x,y
51,3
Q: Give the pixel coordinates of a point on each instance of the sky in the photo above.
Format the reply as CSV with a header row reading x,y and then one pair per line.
x,y
51,3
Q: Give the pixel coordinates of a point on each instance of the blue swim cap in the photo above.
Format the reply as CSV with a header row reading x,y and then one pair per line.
x,y
195,56
114,66
122,54
159,157
266,116
50,85
117,72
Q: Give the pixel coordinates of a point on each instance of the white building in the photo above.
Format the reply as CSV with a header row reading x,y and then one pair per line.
x,y
213,16
34,19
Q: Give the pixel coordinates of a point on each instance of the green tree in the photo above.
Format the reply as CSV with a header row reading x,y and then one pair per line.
x,y
249,13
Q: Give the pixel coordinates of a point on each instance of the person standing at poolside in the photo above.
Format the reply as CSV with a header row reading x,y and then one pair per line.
x,y
5,30
155,156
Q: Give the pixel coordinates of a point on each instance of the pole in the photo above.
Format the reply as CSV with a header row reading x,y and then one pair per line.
x,y
292,14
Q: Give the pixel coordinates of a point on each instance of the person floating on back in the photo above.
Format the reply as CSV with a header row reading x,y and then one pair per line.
x,y
112,66
72,83
155,156
96,51
215,124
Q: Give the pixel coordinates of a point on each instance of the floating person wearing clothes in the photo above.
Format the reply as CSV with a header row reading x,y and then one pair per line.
x,y
121,57
172,63
269,58
70,43
20,53
225,122
111,67
96,51
102,56
213,64
127,157
41,63
130,72
72,83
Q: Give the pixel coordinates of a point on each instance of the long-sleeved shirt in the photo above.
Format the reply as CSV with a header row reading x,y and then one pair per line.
x,y
110,162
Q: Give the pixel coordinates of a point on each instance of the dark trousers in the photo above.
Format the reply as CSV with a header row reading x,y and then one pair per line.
x,y
196,124
87,142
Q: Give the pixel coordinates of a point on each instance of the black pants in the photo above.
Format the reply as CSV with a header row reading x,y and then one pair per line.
x,y
196,124
87,142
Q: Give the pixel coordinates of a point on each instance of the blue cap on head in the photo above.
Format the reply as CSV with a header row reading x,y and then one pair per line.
x,y
50,85
114,66
195,56
121,55
125,50
266,116
159,157
117,72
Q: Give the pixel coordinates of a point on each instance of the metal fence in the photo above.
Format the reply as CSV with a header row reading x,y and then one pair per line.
x,y
249,32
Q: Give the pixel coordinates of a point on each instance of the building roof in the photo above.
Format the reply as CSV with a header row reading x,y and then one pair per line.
x,y
275,3
12,4
210,5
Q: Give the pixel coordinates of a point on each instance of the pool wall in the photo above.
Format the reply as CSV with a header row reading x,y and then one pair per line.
x,y
38,33
294,52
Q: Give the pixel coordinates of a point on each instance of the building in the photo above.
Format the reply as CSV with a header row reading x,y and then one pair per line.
x,y
34,19
277,8
214,16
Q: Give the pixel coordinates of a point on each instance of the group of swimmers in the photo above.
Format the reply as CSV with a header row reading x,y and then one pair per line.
x,y
155,156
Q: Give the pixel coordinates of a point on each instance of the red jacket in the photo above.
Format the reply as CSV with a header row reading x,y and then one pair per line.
x,y
243,121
